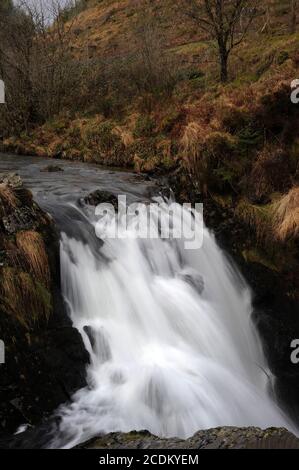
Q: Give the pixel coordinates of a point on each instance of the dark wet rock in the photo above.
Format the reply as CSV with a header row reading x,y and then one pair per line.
x,y
22,218
90,333
99,343
45,357
219,438
192,277
101,197
52,169
33,437
12,180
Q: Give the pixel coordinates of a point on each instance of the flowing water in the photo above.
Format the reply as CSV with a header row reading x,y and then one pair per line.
x,y
169,330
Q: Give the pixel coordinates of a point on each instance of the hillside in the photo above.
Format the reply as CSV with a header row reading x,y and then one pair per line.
x,y
107,27
148,97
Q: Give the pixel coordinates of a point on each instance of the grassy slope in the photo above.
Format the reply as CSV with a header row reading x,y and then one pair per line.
x,y
238,143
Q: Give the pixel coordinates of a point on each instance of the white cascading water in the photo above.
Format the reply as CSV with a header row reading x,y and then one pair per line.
x,y
171,342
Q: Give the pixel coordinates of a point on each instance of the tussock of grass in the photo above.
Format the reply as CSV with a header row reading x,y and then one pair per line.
x,y
270,172
8,200
258,218
191,145
32,246
27,301
286,216
14,257
125,135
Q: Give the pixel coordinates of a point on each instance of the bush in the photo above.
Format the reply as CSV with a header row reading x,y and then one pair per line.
x,y
270,173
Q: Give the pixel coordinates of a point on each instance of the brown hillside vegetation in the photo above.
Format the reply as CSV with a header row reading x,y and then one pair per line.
x,y
144,93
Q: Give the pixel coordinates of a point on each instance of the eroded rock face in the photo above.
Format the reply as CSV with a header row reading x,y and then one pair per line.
x,y
218,438
44,355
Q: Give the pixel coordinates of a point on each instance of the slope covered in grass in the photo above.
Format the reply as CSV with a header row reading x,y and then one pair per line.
x,y
150,99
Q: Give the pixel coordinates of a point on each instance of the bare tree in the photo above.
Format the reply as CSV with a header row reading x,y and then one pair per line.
x,y
226,21
151,68
36,63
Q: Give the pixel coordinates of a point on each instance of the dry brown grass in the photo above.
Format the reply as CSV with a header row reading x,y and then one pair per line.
x,y
270,172
125,135
32,246
28,301
258,218
286,216
8,200
204,150
196,161
15,258
191,145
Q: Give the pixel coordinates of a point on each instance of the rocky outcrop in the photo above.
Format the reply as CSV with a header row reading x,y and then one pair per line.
x,y
219,438
44,355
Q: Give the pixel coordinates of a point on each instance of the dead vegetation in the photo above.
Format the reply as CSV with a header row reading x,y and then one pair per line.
x,y
27,300
286,216
258,218
270,173
149,98
32,246
8,200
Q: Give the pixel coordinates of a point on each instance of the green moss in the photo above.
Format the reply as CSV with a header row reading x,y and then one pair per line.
x,y
255,255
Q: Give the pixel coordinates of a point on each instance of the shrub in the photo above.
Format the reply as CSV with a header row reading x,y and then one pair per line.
x,y
208,156
249,139
270,172
234,119
258,218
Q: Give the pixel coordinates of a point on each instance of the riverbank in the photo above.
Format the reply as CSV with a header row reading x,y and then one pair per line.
x,y
275,288
45,358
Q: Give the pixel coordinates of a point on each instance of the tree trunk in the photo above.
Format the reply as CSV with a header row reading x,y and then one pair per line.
x,y
223,66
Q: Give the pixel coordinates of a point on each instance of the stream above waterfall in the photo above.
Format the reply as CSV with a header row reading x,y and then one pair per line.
x,y
169,331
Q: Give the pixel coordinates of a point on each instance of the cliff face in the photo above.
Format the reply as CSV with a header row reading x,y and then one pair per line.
x,y
44,356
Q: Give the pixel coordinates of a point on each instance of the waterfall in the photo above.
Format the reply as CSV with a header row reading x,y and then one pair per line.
x,y
169,332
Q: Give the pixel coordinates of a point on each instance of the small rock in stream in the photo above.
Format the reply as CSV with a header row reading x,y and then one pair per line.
x,y
51,169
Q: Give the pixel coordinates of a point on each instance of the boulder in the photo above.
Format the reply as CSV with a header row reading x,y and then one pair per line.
x,y
99,197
